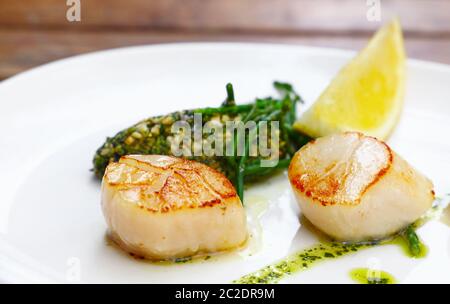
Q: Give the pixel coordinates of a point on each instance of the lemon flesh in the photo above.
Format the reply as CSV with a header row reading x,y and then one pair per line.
x,y
367,94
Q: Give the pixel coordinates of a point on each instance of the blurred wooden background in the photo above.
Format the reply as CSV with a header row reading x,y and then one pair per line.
x,y
33,32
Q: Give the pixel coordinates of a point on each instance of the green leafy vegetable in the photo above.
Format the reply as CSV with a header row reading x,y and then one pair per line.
x,y
154,136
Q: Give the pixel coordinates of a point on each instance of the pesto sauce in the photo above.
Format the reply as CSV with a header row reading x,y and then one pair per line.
x,y
301,261
305,259
371,276
328,250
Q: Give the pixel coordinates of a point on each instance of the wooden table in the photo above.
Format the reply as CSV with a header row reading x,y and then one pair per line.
x,y
33,32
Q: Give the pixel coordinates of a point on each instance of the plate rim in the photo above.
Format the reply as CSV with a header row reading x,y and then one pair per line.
x,y
15,267
193,45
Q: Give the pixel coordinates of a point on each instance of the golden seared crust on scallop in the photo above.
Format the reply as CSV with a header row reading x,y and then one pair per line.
x,y
355,188
341,171
162,207
164,183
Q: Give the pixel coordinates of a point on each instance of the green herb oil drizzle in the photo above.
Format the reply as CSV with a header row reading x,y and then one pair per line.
x,y
371,276
326,250
300,261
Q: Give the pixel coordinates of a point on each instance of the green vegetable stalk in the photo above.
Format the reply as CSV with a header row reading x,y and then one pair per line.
x,y
154,136
411,238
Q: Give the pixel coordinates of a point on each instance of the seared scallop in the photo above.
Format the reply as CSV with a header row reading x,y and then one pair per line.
x,y
161,207
355,188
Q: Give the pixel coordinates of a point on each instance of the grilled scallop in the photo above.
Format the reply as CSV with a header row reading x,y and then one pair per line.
x,y
161,207
355,188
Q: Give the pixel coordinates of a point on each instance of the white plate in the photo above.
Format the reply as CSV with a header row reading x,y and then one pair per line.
x,y
54,117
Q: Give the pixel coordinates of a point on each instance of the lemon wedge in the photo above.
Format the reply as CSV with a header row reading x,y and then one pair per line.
x,y
367,94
